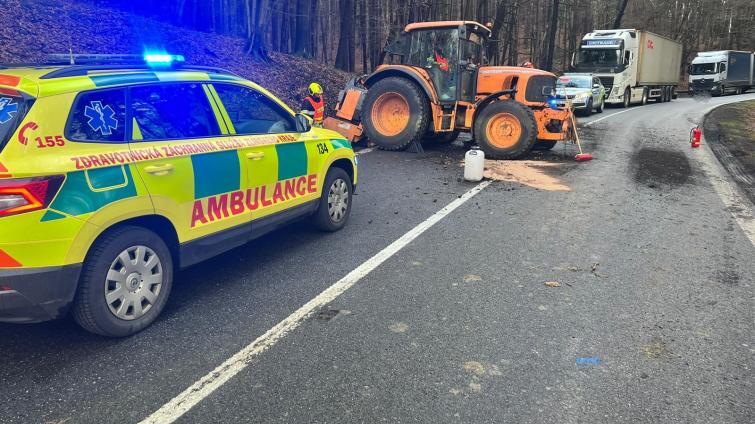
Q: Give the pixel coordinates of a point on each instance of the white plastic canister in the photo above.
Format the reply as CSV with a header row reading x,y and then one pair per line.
x,y
474,165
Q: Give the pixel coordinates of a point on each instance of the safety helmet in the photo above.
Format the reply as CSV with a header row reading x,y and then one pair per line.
x,y
315,88
527,65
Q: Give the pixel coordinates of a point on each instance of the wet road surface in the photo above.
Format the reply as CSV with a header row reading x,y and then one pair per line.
x,y
652,320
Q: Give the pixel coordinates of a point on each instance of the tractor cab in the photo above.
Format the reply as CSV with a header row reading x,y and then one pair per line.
x,y
449,52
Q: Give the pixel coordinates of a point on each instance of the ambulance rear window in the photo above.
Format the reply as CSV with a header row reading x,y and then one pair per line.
x,y
13,109
98,116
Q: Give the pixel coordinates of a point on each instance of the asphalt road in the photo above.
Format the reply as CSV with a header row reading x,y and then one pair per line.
x,y
652,322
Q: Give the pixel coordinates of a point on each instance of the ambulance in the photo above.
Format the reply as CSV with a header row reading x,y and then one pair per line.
x,y
116,171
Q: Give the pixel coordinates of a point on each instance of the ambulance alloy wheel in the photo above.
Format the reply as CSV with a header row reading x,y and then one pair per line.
x,y
396,112
505,130
335,201
125,282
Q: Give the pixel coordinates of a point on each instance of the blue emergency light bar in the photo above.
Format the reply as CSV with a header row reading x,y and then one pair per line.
x,y
82,64
163,59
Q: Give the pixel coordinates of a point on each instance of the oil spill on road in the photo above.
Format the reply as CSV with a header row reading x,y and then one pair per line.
x,y
658,169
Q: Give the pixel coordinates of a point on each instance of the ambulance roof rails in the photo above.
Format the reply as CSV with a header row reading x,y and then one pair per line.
x,y
82,64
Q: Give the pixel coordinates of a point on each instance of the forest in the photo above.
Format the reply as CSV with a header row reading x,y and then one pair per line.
x,y
351,34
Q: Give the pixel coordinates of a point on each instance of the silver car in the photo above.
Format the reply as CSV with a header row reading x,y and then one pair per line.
x,y
584,91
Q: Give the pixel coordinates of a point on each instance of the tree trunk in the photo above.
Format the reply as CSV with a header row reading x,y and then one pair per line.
x,y
345,53
259,13
620,13
498,21
304,30
547,62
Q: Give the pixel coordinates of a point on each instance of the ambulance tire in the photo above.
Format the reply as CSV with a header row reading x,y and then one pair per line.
x,y
91,310
334,205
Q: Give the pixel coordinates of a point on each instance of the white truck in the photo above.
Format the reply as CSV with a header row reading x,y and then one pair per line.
x,y
634,66
721,72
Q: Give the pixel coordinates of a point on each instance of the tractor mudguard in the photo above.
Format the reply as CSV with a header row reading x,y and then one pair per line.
x,y
480,104
350,101
419,76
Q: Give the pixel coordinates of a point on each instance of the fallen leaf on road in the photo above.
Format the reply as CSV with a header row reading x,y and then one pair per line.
x,y
475,387
553,284
474,367
398,327
471,277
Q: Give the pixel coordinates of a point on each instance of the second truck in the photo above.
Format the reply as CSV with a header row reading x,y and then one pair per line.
x,y
721,72
634,66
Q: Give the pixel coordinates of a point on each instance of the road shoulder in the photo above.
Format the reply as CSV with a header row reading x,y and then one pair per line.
x,y
729,131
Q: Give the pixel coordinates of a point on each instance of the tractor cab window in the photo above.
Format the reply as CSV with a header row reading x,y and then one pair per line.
x,y
471,50
437,52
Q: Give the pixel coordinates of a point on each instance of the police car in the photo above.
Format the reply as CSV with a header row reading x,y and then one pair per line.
x,y
117,171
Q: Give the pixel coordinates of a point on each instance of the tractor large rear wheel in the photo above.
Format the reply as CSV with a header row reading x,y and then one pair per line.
x,y
505,130
396,112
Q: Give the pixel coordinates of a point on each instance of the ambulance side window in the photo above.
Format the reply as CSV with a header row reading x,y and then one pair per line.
x,y
98,116
172,111
251,112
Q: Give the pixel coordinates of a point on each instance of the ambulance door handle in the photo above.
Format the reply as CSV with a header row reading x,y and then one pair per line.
x,y
162,169
255,155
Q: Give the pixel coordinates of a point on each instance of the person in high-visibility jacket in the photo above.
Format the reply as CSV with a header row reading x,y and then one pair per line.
x,y
314,104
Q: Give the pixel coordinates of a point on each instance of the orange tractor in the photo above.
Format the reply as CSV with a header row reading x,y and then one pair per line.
x,y
433,85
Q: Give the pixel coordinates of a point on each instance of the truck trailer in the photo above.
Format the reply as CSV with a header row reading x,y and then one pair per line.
x,y
634,66
721,72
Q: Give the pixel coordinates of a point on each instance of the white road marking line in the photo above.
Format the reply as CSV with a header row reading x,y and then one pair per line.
x,y
608,116
179,405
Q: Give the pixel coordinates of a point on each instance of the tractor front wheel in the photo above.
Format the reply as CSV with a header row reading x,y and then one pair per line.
x,y
396,113
505,130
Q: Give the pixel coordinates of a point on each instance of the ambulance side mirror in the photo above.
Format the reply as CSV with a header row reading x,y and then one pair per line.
x,y
303,123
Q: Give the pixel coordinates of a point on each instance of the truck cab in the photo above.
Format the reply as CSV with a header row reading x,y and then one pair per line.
x,y
610,55
634,66
719,72
707,71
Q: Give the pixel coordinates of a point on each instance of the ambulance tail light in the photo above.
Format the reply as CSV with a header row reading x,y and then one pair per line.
x,y
27,195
